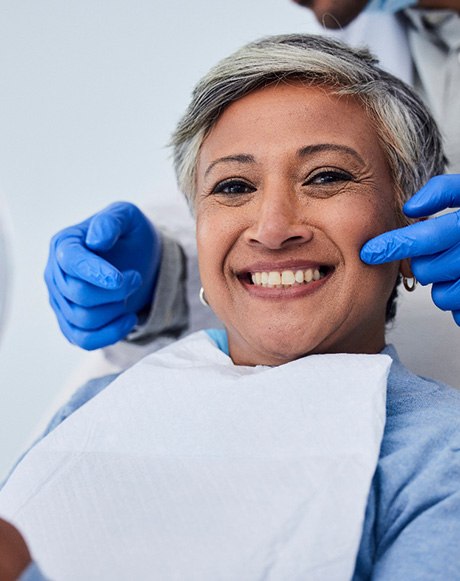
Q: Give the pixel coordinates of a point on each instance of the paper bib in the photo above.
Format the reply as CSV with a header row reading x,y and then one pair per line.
x,y
188,467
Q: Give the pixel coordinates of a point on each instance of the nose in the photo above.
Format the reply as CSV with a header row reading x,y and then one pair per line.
x,y
280,221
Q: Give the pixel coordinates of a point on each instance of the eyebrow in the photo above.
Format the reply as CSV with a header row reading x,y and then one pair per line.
x,y
240,158
246,158
320,147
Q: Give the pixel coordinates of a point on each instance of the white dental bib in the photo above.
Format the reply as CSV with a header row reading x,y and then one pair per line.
x,y
188,467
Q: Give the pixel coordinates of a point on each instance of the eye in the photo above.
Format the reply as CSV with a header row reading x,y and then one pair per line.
x,y
233,187
329,176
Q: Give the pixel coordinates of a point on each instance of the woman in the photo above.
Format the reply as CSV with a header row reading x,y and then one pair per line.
x,y
259,452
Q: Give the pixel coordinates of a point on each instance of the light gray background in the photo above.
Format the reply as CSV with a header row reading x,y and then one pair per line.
x,y
89,93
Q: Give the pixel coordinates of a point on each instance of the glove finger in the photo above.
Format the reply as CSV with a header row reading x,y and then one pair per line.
x,y
85,294
440,267
79,262
446,295
63,325
107,226
90,318
90,340
428,237
49,277
438,193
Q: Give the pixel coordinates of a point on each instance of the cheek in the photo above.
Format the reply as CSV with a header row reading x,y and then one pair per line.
x,y
354,224
215,235
357,221
207,247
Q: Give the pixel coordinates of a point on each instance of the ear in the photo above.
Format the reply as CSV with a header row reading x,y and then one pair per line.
x,y
405,269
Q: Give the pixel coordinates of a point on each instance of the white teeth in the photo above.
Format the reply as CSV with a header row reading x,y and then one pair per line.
x,y
274,278
286,278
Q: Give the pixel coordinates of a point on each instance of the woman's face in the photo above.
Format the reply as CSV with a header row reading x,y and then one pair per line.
x,y
291,181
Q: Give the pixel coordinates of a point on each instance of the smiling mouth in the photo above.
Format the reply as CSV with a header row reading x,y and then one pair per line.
x,y
286,279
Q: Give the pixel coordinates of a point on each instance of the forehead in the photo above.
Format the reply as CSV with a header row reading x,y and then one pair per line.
x,y
289,116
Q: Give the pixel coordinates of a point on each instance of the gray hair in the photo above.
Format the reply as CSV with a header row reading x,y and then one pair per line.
x,y
407,132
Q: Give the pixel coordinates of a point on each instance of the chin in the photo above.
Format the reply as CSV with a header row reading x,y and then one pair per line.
x,y
280,347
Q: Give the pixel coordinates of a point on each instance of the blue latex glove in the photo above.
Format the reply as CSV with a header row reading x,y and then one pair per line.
x,y
432,245
101,273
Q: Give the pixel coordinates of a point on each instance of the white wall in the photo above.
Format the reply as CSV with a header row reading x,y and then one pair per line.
x,y
89,93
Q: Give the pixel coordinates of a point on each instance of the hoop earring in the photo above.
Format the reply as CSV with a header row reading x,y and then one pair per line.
x,y
203,300
409,286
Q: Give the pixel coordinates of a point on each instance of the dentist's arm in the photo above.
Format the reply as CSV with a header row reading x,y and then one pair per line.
x,y
432,245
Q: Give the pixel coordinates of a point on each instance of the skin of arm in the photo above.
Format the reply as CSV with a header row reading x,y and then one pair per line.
x,y
14,554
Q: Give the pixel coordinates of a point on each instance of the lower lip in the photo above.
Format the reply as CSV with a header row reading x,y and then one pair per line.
x,y
296,291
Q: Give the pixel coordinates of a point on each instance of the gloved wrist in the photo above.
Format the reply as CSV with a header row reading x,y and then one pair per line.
x,y
149,267
143,298
167,313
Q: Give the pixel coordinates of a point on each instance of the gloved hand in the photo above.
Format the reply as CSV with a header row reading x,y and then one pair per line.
x,y
432,245
101,273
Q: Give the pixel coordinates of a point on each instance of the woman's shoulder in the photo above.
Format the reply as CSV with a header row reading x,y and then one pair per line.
x,y
414,506
420,452
423,419
412,396
421,444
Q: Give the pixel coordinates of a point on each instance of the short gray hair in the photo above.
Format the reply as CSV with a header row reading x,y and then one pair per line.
x,y
407,132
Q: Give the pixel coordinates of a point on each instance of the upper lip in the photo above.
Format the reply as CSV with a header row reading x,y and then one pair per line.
x,y
268,266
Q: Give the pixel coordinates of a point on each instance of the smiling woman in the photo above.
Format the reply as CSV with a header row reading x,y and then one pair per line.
x,y
291,181
294,444
293,153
